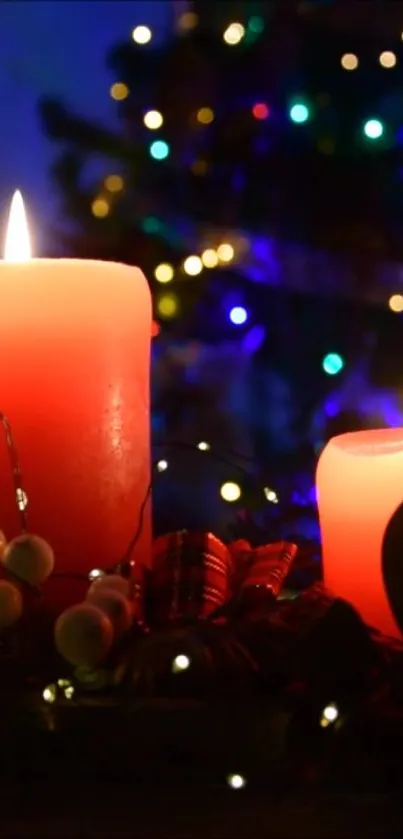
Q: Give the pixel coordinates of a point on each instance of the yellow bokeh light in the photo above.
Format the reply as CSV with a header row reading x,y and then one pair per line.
x,y
153,120
164,273
205,116
114,183
396,303
187,21
119,91
234,34
168,306
225,252
387,59
142,35
230,491
209,258
193,266
203,446
349,61
100,207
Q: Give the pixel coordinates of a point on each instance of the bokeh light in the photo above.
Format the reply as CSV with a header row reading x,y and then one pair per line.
x,y
373,129
349,61
234,34
114,183
225,252
164,273
187,21
256,24
209,258
238,315
260,110
193,266
236,781
205,116
299,113
168,306
396,303
387,59
100,207
180,663
230,491
332,363
199,167
142,35
153,120
159,150
119,91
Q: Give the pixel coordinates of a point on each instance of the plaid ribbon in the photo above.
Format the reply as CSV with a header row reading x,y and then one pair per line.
x,y
190,577
264,567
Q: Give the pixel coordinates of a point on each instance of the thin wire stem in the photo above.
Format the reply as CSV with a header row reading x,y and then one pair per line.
x,y
20,496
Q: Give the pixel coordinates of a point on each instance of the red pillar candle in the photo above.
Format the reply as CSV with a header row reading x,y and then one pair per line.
x,y
360,494
74,384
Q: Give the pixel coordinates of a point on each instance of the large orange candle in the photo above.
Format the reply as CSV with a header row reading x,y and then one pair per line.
x,y
74,384
360,494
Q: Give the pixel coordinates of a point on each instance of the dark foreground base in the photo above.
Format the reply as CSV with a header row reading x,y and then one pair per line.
x,y
160,769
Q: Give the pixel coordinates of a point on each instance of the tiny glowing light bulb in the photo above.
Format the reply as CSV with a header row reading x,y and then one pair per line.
x,y
17,246
193,266
119,91
203,446
164,273
142,35
234,34
225,252
153,120
209,258
114,183
49,694
168,305
236,781
387,59
329,715
21,498
349,61
180,663
230,491
396,303
271,495
162,465
69,692
96,573
100,208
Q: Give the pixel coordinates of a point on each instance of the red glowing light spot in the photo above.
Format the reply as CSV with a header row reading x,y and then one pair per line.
x,y
260,110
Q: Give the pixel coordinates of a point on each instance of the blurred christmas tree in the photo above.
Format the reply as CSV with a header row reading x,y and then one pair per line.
x,y
255,117
254,122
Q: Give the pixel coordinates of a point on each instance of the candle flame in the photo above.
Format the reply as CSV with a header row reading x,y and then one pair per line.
x,y
18,246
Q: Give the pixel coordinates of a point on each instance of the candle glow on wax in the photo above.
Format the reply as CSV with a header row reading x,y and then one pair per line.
x,y
18,245
75,340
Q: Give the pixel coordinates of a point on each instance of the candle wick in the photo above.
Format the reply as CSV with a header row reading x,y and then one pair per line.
x,y
21,498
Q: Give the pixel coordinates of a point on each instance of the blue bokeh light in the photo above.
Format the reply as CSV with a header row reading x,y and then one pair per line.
x,y
332,363
299,113
373,129
159,150
238,315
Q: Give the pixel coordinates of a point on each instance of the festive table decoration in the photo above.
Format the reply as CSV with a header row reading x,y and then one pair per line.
x,y
74,381
359,484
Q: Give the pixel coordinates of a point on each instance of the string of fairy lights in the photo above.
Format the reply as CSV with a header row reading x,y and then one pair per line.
x,y
221,253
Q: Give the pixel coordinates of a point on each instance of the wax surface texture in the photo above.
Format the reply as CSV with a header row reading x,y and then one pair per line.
x,y
359,488
74,384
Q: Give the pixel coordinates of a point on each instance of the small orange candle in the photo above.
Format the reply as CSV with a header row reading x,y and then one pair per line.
x,y
74,384
360,492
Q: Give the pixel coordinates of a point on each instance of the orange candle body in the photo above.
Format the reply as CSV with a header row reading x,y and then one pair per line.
x,y
359,488
74,385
